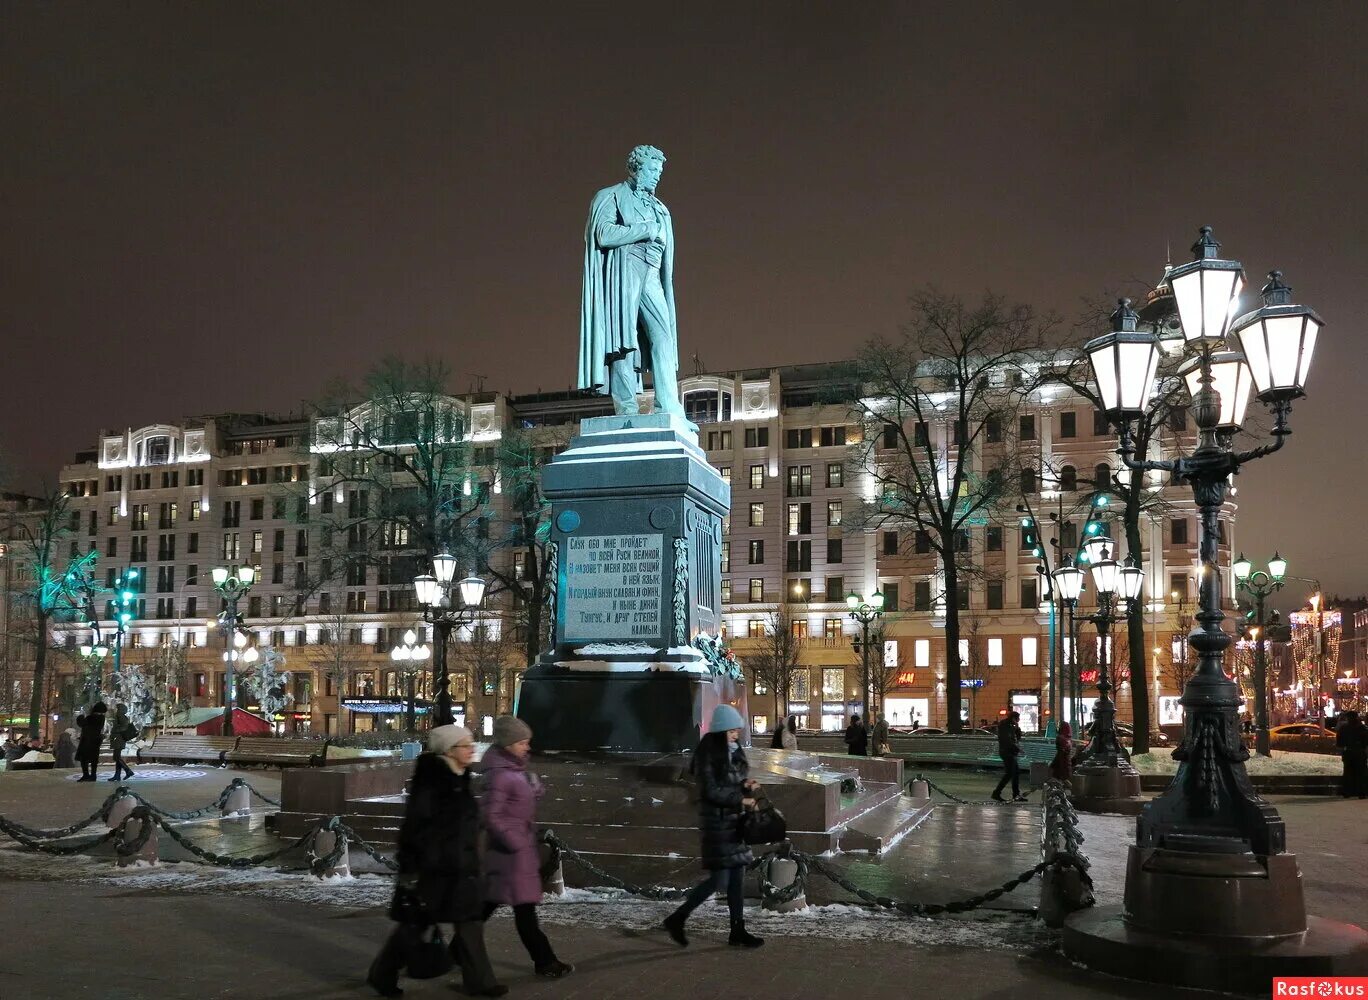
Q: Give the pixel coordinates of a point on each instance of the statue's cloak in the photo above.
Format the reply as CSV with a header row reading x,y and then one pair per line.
x,y
608,310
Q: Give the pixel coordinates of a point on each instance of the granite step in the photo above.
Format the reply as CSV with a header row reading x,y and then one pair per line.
x,y
879,827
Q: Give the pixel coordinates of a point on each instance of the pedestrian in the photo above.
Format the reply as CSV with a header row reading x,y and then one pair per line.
x,y
439,865
1061,767
725,790
1351,737
790,733
65,749
92,735
1009,749
777,740
857,738
121,730
508,805
881,736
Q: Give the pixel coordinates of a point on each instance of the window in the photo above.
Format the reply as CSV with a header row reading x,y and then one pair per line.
x,y
757,552
726,592
1068,535
798,437
961,432
192,542
254,606
921,434
757,515
962,540
1068,479
921,652
755,628
921,541
194,477
256,542
993,595
835,588
703,406
166,547
835,474
993,538
799,481
1068,424
1178,531
757,477
1101,428
258,508
113,518
232,513
1028,481
835,553
962,597
799,557
1178,586
111,547
1029,650
921,595
278,573
231,546
994,652
890,436
890,543
832,437
196,510
1026,427
833,684
1102,476
800,519
1029,595
757,589
890,592
139,511
726,557
833,513
992,429
166,515
718,440
1177,419
757,437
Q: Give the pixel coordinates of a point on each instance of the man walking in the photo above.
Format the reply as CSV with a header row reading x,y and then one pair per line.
x,y
857,738
1009,749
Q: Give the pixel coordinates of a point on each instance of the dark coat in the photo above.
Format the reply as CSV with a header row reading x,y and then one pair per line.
x,y
438,841
508,803
721,775
92,735
857,740
1062,765
1009,740
65,750
120,732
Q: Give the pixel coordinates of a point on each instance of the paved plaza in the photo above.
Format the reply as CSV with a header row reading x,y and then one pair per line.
x,y
186,930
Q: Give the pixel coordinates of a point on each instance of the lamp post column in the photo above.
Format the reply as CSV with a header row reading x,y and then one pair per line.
x,y
441,630
1261,741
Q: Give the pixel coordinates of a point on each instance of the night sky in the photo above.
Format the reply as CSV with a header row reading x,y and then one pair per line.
x,y
216,207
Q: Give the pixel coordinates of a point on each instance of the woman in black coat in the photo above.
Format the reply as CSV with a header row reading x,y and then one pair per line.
x,y
439,865
1351,736
724,790
92,735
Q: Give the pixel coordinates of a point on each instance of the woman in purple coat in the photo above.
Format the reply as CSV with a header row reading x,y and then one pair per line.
x,y
512,861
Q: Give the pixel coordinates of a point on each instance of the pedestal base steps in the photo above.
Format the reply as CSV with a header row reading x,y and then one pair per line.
x,y
614,805
1102,789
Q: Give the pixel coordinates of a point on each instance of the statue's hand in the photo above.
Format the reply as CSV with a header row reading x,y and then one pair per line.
x,y
657,232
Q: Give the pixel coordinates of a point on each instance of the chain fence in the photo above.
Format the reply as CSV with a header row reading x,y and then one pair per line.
x,y
973,802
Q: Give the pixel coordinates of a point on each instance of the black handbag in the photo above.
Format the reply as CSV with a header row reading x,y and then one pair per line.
x,y
426,955
764,824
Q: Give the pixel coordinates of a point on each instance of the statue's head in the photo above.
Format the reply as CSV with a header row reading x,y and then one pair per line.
x,y
644,166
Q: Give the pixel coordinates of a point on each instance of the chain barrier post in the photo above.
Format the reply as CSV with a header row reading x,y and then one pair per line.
x,y
237,798
552,870
1064,885
120,809
328,856
920,788
781,884
141,847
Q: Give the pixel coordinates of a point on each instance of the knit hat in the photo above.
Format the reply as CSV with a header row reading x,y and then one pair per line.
x,y
443,738
725,717
509,729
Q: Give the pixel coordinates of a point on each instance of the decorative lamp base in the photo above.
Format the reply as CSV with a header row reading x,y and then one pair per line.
x,y
1103,788
1214,895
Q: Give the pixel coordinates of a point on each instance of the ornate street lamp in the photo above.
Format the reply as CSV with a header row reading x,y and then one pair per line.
x,y
1068,581
409,657
232,585
865,612
1209,828
1260,585
434,591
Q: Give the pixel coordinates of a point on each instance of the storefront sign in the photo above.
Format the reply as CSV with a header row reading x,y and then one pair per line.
x,y
798,708
612,586
906,678
833,708
975,683
382,706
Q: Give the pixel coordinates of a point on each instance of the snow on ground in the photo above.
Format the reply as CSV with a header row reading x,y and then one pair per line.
x,y
604,908
1282,762
341,753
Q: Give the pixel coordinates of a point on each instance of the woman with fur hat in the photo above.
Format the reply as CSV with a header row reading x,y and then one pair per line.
x,y
724,790
439,864
512,861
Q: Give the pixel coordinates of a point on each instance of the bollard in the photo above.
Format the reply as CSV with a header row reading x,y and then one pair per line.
x,y
238,800
1062,891
782,872
136,827
553,879
919,789
324,843
119,811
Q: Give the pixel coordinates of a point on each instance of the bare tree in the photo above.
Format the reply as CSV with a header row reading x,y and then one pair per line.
x,y
937,407
339,658
1134,501
483,654
168,675
51,591
773,663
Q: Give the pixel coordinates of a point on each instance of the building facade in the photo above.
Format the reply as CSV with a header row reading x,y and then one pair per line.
x,y
175,500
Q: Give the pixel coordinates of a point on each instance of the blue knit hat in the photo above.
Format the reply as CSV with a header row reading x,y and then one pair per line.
x,y
725,717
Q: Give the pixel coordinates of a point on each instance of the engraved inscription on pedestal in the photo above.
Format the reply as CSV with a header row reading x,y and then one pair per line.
x,y
613,586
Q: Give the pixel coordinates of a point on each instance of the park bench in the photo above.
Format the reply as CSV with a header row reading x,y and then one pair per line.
x,y
187,749
277,752
968,750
